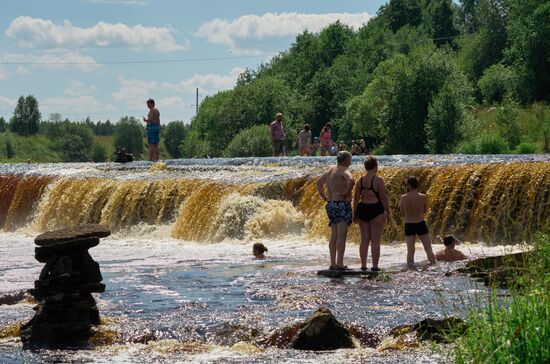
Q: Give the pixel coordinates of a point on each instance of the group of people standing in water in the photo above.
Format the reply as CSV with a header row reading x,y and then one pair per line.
x,y
370,210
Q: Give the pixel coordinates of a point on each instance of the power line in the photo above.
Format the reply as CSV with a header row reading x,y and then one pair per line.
x,y
188,59
139,62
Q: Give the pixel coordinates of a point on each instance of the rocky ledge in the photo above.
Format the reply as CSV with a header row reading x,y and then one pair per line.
x,y
66,309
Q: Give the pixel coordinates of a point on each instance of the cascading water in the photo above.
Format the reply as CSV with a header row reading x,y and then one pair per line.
x,y
179,269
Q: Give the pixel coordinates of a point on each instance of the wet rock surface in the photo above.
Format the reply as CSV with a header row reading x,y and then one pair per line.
x,y
321,331
66,310
499,271
438,330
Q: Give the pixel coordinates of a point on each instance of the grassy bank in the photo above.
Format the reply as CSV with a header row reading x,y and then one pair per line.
x,y
40,149
515,330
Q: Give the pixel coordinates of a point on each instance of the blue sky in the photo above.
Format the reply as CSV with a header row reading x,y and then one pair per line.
x,y
39,38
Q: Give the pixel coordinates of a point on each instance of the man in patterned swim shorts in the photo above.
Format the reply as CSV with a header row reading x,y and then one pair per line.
x,y
340,183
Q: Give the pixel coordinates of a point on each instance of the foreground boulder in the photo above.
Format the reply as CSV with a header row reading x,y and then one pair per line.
x,y
321,331
500,271
66,309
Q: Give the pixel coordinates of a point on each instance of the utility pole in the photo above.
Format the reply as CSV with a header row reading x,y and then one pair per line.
x,y
197,103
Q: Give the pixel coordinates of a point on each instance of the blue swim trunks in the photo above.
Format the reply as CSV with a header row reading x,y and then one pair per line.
x,y
339,211
153,134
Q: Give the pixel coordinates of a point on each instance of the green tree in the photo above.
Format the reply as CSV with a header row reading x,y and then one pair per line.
x,y
99,154
10,151
194,146
252,142
497,81
26,116
2,125
129,134
76,143
529,52
438,19
485,47
399,13
174,133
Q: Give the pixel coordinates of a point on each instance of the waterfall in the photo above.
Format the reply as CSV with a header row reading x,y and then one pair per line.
x,y
498,202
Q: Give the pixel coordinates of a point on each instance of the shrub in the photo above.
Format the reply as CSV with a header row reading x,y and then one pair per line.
x,y
527,148
10,152
484,144
76,145
98,153
174,133
497,81
492,144
129,134
194,146
252,142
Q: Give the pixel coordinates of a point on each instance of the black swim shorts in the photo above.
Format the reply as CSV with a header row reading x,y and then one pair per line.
x,y
418,228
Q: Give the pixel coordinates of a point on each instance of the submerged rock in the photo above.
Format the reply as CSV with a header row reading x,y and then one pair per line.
x,y
67,310
438,330
13,298
499,271
321,331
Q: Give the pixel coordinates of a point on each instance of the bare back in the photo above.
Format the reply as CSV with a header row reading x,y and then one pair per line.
x,y
340,184
413,206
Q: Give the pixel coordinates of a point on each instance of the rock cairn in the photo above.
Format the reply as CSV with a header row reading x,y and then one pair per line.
x,y
66,308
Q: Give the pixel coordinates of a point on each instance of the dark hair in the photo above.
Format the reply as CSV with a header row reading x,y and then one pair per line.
x,y
448,240
370,163
260,247
327,125
412,181
151,101
307,127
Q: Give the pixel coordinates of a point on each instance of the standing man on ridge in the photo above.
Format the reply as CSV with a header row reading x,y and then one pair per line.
x,y
153,130
340,183
278,136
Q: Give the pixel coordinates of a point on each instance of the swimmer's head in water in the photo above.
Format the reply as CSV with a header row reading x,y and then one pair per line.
x,y
449,240
258,249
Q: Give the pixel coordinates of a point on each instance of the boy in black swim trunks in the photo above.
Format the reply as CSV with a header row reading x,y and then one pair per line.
x,y
413,206
339,181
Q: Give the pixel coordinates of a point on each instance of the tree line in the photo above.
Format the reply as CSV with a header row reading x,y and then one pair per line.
x,y
76,140
408,81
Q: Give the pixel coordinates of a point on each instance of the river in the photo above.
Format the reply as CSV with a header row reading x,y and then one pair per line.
x,y
181,282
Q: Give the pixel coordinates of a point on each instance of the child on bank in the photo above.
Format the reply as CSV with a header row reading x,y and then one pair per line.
x,y
413,206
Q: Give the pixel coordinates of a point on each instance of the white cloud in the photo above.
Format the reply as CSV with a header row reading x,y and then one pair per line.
x,y
273,25
207,83
82,103
2,73
78,88
6,104
20,70
134,93
30,32
172,102
54,59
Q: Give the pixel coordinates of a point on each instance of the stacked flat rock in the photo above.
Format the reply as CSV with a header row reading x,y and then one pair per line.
x,y
67,309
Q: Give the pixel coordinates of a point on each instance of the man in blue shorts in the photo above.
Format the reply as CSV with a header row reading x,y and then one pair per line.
x,y
153,130
339,182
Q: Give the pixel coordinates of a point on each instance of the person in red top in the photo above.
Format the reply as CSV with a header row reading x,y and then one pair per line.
x,y
326,139
278,136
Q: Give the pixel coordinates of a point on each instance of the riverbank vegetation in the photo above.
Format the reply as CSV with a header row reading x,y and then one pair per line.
x,y
514,330
420,77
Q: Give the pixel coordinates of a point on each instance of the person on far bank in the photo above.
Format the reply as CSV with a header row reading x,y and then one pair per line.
x,y
304,141
153,130
278,136
326,139
413,206
371,207
339,182
450,253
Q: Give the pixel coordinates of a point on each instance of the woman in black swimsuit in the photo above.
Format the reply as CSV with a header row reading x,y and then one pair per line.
x,y
370,206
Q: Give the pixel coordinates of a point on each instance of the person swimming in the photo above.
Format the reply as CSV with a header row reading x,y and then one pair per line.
x,y
450,253
258,250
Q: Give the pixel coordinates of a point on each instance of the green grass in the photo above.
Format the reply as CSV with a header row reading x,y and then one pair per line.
x,y
39,149
515,330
